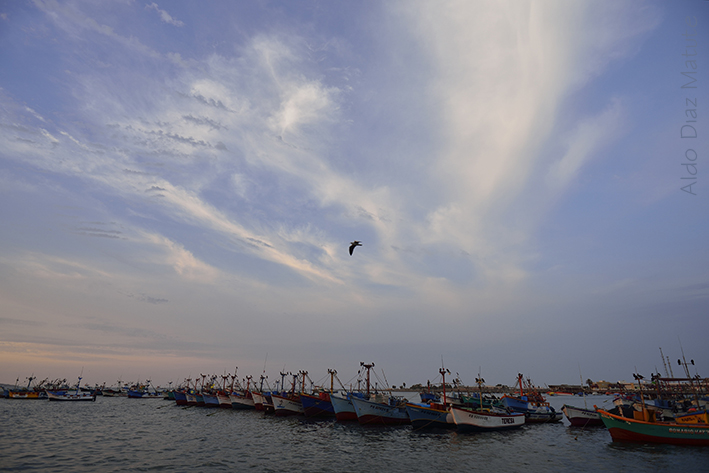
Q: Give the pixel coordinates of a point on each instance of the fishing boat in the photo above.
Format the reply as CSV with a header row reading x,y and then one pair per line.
x,y
288,403
482,420
285,405
76,395
580,417
531,403
318,404
27,392
432,414
21,394
644,428
343,407
379,408
384,410
210,399
73,396
180,398
243,398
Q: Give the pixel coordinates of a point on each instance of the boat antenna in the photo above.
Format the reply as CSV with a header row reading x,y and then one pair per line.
x,y
664,363
583,391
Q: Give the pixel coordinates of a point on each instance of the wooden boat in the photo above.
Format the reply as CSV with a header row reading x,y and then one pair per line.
x,y
384,410
378,408
643,428
180,398
531,403
210,399
73,396
318,404
483,420
21,394
580,417
288,404
27,392
343,407
692,417
431,415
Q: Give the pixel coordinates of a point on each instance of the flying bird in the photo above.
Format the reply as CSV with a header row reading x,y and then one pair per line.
x,y
353,245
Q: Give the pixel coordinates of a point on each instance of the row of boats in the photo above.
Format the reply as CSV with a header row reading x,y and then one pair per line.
x,y
674,412
473,412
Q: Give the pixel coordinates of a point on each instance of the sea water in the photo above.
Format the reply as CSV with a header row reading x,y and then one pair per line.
x,y
121,434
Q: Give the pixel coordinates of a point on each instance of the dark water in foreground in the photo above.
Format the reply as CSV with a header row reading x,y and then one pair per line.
x,y
119,434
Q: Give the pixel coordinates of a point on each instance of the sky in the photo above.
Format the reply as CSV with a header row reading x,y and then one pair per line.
x,y
180,182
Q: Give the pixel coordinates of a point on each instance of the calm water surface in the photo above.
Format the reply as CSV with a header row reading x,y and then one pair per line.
x,y
120,434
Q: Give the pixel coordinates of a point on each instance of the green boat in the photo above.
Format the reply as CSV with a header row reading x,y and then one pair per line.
x,y
624,429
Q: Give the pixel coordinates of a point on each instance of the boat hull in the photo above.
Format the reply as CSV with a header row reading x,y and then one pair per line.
x,y
344,410
424,416
317,406
26,395
623,429
285,406
581,417
370,412
467,420
180,398
71,396
239,401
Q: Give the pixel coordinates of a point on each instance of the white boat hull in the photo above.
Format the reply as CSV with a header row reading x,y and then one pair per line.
x,y
283,406
370,412
71,396
469,420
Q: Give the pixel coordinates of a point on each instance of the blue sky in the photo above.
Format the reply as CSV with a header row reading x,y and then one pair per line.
x,y
180,182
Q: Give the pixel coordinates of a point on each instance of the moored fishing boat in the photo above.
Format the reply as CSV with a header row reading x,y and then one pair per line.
x,y
343,408
384,410
481,420
646,429
378,408
20,394
180,398
27,392
531,403
427,415
288,403
244,398
210,399
580,417
75,395
318,404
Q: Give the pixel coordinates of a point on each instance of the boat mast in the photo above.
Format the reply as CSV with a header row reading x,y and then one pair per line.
x,y
480,381
638,377
369,367
521,389
664,363
443,372
303,375
332,379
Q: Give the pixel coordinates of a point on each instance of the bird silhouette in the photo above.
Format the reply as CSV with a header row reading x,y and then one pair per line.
x,y
353,245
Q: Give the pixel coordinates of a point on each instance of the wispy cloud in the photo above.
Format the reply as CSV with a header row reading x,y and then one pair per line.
x,y
164,16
